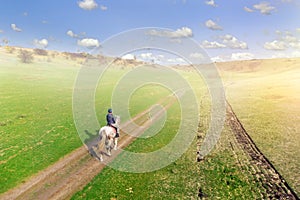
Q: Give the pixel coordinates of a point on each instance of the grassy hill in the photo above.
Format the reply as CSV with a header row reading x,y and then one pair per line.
x,y
265,94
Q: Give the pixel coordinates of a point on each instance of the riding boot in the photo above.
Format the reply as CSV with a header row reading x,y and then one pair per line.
x,y
118,133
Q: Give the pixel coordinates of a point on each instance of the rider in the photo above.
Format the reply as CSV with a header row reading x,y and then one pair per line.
x,y
110,118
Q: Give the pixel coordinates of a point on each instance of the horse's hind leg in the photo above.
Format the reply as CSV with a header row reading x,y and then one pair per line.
x,y
108,146
101,157
99,146
108,150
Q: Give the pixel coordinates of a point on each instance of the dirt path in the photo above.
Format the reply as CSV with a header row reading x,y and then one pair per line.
x,y
72,172
264,173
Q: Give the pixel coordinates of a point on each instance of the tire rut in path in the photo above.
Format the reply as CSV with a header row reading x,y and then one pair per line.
x,y
263,170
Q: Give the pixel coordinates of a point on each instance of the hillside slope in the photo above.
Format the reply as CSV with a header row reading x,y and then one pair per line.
x,y
265,95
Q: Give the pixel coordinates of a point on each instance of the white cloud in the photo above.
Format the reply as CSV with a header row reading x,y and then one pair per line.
x,y
1,31
264,8
228,41
150,57
88,43
233,43
146,56
211,3
242,56
176,60
289,39
43,43
180,60
44,22
212,25
72,34
295,45
179,33
212,45
197,55
298,30
275,45
103,7
248,9
87,4
15,28
218,59
129,57
280,33
182,32
284,41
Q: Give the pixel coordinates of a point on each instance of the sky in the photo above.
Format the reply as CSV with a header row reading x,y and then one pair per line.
x,y
226,30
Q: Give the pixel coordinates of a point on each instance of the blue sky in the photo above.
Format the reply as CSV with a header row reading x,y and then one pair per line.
x,y
227,30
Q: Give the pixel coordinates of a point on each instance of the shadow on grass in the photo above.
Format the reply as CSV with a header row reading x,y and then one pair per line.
x,y
92,143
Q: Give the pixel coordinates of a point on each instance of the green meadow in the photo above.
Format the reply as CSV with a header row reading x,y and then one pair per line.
x,y
37,129
218,176
36,122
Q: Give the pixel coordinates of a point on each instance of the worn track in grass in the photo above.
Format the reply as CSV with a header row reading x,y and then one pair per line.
x,y
72,172
275,187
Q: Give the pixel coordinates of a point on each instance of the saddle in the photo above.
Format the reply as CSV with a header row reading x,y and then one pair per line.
x,y
115,130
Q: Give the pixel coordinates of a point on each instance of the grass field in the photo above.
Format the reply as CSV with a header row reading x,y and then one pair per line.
x,y
265,94
36,122
37,128
219,176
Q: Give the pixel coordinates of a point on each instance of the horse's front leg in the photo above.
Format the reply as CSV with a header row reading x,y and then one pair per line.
x,y
115,143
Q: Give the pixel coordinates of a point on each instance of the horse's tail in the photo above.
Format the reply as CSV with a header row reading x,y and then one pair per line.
x,y
101,132
100,143
102,135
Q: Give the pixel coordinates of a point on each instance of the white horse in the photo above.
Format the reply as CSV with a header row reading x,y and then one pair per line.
x,y
109,134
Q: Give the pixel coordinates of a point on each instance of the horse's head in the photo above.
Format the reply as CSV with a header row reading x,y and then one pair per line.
x,y
117,119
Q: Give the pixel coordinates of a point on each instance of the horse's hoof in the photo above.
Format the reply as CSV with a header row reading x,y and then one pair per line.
x,y
100,159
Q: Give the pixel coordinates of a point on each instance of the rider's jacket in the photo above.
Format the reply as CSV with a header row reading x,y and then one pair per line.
x,y
110,119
